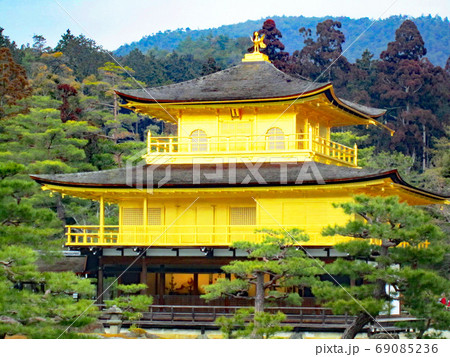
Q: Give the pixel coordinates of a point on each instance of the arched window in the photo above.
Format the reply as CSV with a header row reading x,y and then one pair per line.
x,y
199,141
275,139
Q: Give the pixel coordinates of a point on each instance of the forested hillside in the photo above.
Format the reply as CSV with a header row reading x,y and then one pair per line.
x,y
435,31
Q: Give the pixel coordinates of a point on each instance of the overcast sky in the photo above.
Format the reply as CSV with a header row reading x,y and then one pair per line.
x,y
112,23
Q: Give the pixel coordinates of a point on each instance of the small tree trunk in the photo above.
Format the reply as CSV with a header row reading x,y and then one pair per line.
x,y
424,144
60,208
361,320
423,330
115,118
259,302
259,298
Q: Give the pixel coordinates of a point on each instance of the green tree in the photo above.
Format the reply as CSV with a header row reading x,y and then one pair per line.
x,y
118,76
82,54
11,45
39,305
148,68
277,257
393,236
131,301
349,138
421,290
246,324
392,160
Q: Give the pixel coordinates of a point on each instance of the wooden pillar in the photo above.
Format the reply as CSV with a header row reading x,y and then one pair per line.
x,y
161,285
102,219
195,292
100,281
143,278
227,299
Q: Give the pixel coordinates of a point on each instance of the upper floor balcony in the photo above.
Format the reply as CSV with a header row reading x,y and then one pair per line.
x,y
190,235
182,235
274,145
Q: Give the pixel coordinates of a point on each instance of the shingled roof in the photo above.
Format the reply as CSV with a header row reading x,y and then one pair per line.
x,y
223,175
252,81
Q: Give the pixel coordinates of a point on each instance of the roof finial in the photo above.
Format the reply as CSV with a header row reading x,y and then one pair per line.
x,y
258,43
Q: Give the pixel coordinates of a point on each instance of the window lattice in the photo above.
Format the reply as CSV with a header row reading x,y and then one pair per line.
x,y
242,216
154,216
275,139
199,141
132,217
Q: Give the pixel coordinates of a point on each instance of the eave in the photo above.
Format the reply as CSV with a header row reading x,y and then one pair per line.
x,y
387,183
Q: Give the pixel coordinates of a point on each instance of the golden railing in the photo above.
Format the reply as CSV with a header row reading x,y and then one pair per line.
x,y
188,235
278,144
178,235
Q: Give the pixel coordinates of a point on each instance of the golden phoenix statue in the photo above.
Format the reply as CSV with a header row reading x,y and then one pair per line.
x,y
258,42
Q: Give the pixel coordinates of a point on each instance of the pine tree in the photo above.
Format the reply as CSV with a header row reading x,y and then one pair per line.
x,y
36,304
277,257
397,239
131,302
82,54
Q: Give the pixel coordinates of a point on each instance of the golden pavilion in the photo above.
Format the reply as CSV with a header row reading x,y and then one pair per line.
x,y
252,150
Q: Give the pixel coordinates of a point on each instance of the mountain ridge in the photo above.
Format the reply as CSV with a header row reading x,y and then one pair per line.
x,y
374,34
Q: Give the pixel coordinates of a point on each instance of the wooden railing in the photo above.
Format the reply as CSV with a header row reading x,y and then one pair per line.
x,y
306,317
267,144
178,235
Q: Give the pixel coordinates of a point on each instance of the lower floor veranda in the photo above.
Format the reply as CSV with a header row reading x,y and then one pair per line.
x,y
178,276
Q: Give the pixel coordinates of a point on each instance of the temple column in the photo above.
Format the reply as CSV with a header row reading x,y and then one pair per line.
x,y
227,299
161,285
100,281
195,292
143,278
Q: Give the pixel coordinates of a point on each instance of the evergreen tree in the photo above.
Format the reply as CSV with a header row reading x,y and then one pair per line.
x,y
274,47
210,66
398,239
38,305
11,45
147,68
416,91
322,59
408,44
132,303
83,55
276,256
